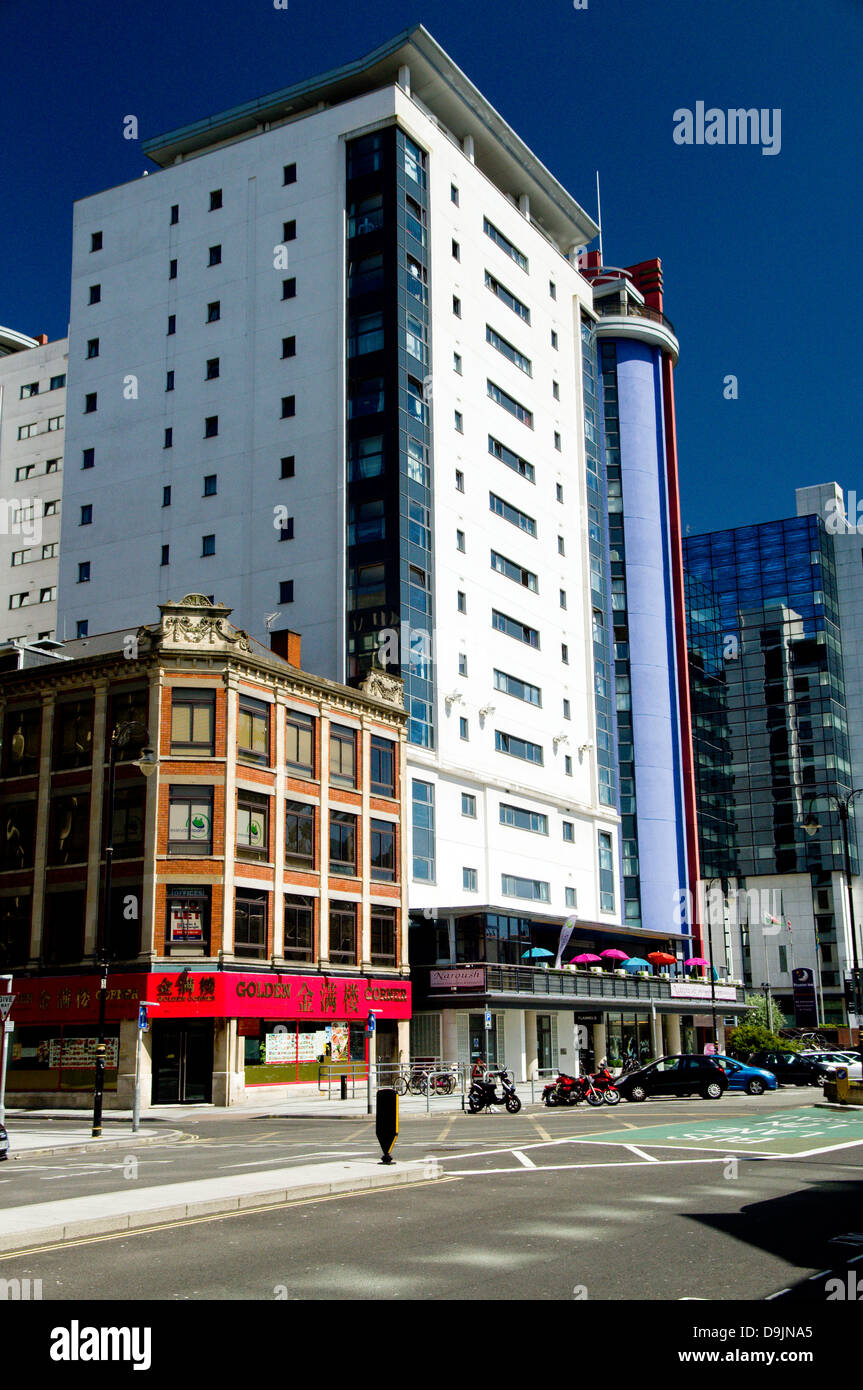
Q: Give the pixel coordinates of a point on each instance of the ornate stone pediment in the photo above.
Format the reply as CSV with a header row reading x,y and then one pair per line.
x,y
195,624
379,686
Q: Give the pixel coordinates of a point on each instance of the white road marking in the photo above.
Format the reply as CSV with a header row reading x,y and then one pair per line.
x,y
523,1159
641,1154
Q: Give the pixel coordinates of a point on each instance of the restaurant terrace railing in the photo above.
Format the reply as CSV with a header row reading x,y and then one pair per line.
x,y
569,982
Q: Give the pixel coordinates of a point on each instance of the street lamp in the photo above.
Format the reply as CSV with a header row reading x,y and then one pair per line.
x,y
710,884
147,762
812,825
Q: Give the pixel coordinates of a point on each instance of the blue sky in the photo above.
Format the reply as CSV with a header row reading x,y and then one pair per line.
x,y
750,243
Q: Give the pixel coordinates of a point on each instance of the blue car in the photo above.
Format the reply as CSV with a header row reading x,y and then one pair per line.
x,y
754,1080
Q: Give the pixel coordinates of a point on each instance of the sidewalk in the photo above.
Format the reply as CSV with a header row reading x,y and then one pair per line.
x,y
41,1143
109,1213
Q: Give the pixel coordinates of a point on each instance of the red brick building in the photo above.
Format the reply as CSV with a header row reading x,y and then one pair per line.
x,y
259,889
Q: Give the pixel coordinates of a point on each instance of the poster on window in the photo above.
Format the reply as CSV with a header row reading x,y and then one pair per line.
x,y
78,1052
294,1047
187,922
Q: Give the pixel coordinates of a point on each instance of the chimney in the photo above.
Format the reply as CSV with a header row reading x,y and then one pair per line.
x,y
286,644
42,339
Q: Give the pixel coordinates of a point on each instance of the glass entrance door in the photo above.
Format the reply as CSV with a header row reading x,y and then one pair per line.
x,y
544,1059
483,1041
182,1062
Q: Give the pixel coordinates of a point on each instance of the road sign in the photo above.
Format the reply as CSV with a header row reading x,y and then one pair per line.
x,y
142,1018
370,1025
6,1002
488,1018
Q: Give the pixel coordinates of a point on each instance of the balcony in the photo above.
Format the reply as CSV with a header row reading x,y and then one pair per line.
x,y
582,986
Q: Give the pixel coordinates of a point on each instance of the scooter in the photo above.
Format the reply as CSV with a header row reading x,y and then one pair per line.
x,y
482,1094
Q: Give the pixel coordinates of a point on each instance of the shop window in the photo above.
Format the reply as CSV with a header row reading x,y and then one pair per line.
x,y
21,742
300,744
14,931
299,928
299,834
250,924
190,824
124,940
63,929
193,722
68,836
343,933
252,822
73,734
343,843
253,730
383,850
187,926
343,767
17,834
383,925
61,1057
383,766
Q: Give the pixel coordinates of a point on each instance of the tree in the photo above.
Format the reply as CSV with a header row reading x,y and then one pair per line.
x,y
757,1011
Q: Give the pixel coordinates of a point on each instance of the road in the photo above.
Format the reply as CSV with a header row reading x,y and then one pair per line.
x,y
744,1198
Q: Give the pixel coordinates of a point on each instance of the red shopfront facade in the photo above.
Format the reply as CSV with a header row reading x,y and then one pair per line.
x,y
279,1026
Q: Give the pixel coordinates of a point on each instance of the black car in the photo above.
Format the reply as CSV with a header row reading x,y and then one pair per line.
x,y
676,1076
790,1068
4,1143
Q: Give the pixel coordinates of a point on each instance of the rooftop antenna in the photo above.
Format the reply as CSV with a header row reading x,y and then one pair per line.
x,y
599,217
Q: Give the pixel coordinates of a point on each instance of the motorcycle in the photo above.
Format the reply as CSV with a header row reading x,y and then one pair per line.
x,y
603,1082
482,1094
572,1090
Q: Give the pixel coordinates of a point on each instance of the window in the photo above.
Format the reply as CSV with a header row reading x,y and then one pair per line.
x,y
52,466
166,555
558,491
555,390
30,389
506,348
49,594
566,709
81,627
382,766
289,174
504,243
84,572
95,294
383,851
459,480
253,725
289,230
570,897
517,573
286,530
463,729
299,928
300,744
557,441
27,471
92,347
456,306
87,514
533,888
252,822
214,311
193,723
365,397
569,831
518,748
250,924
562,593
211,426
423,831
366,457
343,843
365,274
289,347
459,540
519,689
458,421
561,546
289,287
461,601
364,156
169,381
215,199
468,805
520,819
383,925
172,270
456,362
414,162
212,368
287,466
215,255
19,600
510,404
469,880
507,297
91,402
512,460
552,289
175,213
513,515
95,241
453,194
169,438
567,765
456,250
554,340
190,821
68,834
564,653
606,873
501,622
343,933
289,406
343,742
286,591
365,215
299,834
208,545
462,664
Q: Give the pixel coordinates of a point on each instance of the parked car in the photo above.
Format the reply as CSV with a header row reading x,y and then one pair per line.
x,y
4,1143
855,1068
676,1076
790,1068
754,1080
828,1058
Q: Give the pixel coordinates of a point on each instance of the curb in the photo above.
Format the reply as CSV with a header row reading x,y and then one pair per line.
x,y
217,1206
106,1145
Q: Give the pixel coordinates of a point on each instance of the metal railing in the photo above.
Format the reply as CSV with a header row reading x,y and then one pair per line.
x,y
577,984
628,309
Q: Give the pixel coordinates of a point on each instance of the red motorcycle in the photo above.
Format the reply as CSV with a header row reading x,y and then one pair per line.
x,y
571,1090
603,1081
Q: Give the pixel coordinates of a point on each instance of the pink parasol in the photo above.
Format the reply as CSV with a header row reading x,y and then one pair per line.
x,y
586,959
614,954
696,960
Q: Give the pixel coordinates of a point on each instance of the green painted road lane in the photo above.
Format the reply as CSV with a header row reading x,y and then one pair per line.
x,y
794,1132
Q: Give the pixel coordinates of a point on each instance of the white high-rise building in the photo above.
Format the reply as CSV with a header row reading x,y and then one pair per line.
x,y
333,363
32,413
